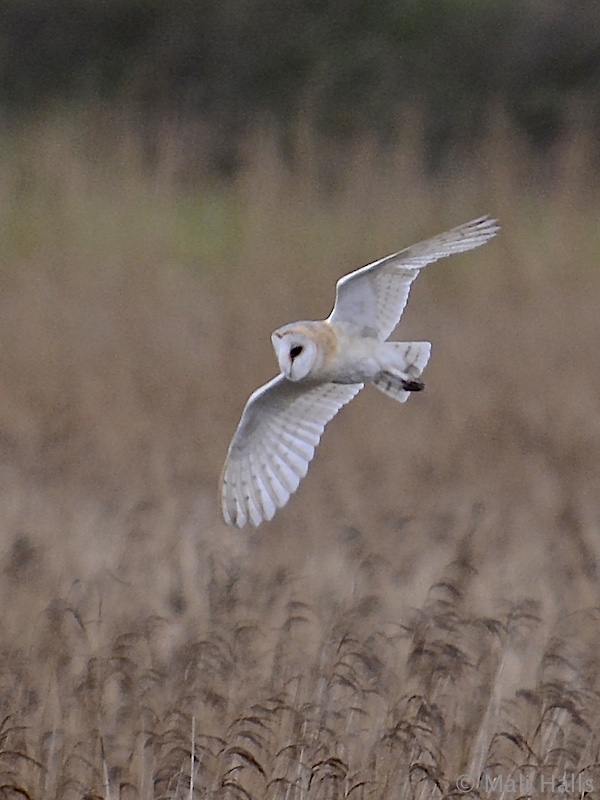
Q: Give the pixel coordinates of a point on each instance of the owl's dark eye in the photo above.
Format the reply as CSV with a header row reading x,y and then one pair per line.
x,y
295,351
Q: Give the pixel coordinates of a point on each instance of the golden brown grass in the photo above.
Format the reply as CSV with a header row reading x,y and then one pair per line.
x,y
426,606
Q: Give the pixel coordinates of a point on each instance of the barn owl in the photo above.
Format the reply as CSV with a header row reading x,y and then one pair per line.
x,y
323,366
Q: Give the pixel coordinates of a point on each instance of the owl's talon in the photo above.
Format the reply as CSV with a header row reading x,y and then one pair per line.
x,y
413,386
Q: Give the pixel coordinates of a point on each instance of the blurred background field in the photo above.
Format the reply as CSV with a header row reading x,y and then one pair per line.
x,y
426,606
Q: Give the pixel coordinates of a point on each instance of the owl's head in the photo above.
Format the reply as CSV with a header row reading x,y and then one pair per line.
x,y
296,350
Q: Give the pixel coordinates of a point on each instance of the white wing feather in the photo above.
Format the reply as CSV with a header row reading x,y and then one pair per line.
x,y
374,297
273,445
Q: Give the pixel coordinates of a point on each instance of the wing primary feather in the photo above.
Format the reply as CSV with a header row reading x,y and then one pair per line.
x,y
239,516
289,479
253,507
267,504
286,475
243,493
285,441
225,499
297,446
309,436
279,491
296,463
230,490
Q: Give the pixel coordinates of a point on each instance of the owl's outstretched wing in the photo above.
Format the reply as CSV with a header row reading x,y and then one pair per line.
x,y
273,445
374,297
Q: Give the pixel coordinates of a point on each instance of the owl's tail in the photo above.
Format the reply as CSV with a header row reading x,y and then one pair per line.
x,y
409,359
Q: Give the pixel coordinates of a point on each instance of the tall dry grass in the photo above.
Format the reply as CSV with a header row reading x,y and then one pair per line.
x,y
424,607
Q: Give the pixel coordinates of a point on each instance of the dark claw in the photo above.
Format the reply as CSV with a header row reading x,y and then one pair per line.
x,y
413,386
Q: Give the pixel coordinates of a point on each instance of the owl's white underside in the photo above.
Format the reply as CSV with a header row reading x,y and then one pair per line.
x,y
323,366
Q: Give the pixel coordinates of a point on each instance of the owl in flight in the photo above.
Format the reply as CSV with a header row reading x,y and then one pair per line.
x,y
323,366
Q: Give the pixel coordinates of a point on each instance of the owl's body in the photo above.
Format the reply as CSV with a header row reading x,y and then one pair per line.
x,y
323,366
345,354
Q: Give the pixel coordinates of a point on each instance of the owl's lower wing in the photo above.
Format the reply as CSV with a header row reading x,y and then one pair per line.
x,y
273,445
374,297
